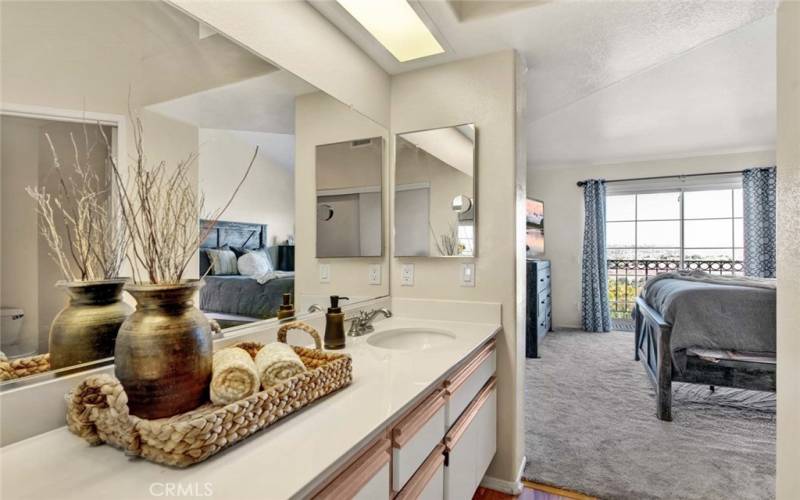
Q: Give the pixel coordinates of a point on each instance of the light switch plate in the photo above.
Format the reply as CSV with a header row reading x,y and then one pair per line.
x,y
468,274
407,275
374,274
324,273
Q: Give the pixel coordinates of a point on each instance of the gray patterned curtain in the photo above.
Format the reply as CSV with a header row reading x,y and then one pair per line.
x,y
595,310
758,193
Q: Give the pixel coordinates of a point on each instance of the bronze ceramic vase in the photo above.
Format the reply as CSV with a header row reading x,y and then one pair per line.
x,y
85,330
163,353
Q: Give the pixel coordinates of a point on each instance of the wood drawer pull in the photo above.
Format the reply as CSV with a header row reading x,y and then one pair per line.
x,y
419,416
348,483
416,485
463,422
452,384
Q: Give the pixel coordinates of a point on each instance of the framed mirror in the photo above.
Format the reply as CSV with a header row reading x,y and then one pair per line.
x,y
435,202
349,178
200,98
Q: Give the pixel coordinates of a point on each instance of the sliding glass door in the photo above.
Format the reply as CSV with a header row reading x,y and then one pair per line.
x,y
651,233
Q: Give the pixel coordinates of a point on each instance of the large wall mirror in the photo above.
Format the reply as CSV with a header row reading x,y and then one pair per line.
x,y
435,202
350,198
74,75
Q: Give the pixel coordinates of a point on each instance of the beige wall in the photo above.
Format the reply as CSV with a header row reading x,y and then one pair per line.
x,y
563,207
788,451
321,119
295,37
479,91
267,196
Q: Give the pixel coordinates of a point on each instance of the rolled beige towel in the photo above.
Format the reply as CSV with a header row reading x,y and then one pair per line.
x,y
234,376
277,362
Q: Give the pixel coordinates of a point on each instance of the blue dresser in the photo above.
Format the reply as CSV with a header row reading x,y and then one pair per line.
x,y
539,316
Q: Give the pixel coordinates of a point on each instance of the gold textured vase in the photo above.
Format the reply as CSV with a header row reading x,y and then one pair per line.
x,y
85,330
163,353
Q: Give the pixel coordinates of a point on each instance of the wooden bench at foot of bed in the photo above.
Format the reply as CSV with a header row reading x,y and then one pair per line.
x,y
703,366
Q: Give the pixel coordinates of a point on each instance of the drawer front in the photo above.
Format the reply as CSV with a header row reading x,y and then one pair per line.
x,y
471,445
543,280
462,387
415,437
428,482
366,478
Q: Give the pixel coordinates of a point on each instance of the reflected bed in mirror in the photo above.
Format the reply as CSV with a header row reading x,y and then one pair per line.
x,y
350,198
434,193
253,288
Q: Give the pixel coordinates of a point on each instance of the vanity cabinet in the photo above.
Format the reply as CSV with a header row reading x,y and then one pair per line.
x,y
415,436
466,382
438,450
470,445
367,478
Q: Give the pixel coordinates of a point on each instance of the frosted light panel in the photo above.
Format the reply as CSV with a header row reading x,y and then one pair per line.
x,y
396,26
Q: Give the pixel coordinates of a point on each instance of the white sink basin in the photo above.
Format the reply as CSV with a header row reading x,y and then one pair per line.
x,y
410,339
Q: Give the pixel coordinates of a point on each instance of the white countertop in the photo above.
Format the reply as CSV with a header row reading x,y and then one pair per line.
x,y
284,460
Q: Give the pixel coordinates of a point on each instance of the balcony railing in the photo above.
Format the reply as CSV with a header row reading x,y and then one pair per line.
x,y
627,277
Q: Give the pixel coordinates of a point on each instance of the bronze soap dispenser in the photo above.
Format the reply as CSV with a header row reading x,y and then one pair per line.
x,y
334,324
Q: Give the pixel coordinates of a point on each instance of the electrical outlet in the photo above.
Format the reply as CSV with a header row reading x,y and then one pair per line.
x,y
407,275
324,273
468,274
374,274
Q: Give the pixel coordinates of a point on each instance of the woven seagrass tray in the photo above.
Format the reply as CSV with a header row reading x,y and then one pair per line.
x,y
23,367
97,410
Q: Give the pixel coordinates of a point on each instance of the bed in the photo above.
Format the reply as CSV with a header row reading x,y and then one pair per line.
x,y
235,299
713,330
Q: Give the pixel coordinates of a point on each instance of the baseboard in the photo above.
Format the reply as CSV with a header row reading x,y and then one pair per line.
x,y
503,486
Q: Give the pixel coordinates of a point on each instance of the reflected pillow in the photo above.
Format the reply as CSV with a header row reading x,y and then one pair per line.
x,y
253,264
223,261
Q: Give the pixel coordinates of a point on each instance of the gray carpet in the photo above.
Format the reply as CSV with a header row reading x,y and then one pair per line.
x,y
591,427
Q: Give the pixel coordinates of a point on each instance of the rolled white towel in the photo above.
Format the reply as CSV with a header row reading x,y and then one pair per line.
x,y
234,376
277,362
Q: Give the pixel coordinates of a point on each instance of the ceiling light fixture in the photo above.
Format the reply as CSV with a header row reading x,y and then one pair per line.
x,y
396,26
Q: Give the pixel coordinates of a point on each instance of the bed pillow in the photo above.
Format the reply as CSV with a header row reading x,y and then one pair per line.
x,y
223,261
253,264
263,252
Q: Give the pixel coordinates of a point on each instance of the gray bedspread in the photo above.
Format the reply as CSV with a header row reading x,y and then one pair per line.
x,y
244,296
714,313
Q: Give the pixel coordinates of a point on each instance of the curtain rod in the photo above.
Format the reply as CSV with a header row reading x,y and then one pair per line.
x,y
583,183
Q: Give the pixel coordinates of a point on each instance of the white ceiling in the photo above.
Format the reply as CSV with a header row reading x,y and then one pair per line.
x,y
261,104
575,50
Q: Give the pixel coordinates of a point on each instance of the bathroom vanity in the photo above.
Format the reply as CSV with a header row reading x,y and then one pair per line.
x,y
418,421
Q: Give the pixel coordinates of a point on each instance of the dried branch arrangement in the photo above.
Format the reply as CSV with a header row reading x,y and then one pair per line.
x,y
162,208
447,243
86,239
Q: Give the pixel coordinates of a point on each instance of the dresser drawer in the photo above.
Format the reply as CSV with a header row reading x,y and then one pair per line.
x,y
428,482
367,478
543,280
415,436
471,445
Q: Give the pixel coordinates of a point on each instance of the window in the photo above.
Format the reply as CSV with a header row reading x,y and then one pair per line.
x,y
651,233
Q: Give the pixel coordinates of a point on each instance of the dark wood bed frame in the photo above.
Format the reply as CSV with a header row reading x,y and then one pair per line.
x,y
703,366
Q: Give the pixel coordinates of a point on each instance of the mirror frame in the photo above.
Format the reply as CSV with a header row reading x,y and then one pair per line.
x,y
475,187
383,252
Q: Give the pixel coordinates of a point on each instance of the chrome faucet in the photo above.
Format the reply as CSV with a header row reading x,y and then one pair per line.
x,y
315,308
362,324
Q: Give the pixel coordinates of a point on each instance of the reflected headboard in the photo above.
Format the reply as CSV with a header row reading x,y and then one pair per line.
x,y
233,234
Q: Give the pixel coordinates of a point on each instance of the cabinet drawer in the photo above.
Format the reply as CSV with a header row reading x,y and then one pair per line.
x,y
367,478
462,387
428,482
415,436
543,280
471,445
